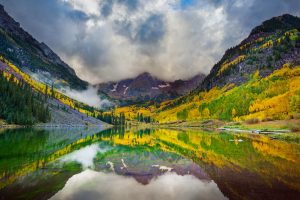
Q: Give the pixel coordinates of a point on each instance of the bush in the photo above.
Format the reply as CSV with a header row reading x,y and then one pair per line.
x,y
267,119
252,121
295,129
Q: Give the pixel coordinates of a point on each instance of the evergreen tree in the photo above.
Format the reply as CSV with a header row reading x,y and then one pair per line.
x,y
19,104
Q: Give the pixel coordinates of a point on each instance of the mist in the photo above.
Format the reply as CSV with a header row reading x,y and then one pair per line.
x,y
89,96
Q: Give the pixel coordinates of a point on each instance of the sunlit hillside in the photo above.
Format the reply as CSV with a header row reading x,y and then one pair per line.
x,y
257,80
276,96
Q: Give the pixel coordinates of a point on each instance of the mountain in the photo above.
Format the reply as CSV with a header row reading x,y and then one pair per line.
x,y
25,101
34,57
32,77
259,79
266,49
146,87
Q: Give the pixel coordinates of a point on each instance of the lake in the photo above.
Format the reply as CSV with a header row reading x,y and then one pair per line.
x,y
156,164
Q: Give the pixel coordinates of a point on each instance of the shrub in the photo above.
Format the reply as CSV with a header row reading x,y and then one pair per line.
x,y
252,121
267,119
295,129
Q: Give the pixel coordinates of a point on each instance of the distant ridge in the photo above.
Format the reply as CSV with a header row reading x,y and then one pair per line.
x,y
146,87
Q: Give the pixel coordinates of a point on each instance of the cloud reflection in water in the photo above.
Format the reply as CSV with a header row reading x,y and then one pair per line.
x,y
85,156
97,185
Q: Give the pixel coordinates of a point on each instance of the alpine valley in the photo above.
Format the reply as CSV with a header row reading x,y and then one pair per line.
x,y
232,133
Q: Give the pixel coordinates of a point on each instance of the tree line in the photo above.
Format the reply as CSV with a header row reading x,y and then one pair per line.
x,y
112,118
19,104
146,119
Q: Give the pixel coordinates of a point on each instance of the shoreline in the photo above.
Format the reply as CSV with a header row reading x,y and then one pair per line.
x,y
287,130
13,126
271,129
256,131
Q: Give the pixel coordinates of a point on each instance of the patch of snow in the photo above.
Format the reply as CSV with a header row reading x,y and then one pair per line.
x,y
155,88
164,86
125,90
111,165
115,87
163,168
124,165
236,140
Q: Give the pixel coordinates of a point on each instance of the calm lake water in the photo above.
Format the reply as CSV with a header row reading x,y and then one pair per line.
x,y
123,164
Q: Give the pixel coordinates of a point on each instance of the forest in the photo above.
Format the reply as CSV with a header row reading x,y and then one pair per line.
x,y
19,104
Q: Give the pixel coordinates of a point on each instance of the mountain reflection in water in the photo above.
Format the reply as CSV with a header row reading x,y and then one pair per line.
x,y
146,164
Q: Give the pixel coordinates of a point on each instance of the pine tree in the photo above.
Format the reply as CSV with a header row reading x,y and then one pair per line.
x,y
19,104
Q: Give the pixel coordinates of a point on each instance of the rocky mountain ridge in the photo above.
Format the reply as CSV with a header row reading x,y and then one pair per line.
x,y
146,87
268,47
34,57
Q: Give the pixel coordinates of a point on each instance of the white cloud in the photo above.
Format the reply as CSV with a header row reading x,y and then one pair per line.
x,y
115,39
183,51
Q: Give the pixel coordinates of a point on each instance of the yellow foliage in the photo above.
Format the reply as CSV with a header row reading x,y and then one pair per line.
x,y
194,114
206,113
278,99
267,44
41,87
227,64
233,112
278,105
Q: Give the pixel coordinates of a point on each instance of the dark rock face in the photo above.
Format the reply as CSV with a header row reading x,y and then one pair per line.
x,y
146,87
268,47
21,48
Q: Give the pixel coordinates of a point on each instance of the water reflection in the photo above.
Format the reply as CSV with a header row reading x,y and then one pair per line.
x,y
85,156
91,185
26,150
237,166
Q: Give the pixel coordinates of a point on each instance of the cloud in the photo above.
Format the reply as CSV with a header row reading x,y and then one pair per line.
x,y
89,97
106,8
151,30
107,40
130,4
97,185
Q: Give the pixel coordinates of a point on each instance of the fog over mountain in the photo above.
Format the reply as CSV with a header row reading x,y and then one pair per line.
x,y
110,40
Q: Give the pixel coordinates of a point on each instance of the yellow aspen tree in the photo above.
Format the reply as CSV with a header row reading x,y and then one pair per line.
x,y
206,113
233,112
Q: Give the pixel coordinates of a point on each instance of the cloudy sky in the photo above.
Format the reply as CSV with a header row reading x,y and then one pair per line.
x,y
115,39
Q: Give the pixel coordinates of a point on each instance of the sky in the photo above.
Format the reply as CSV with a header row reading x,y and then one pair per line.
x,y
110,40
